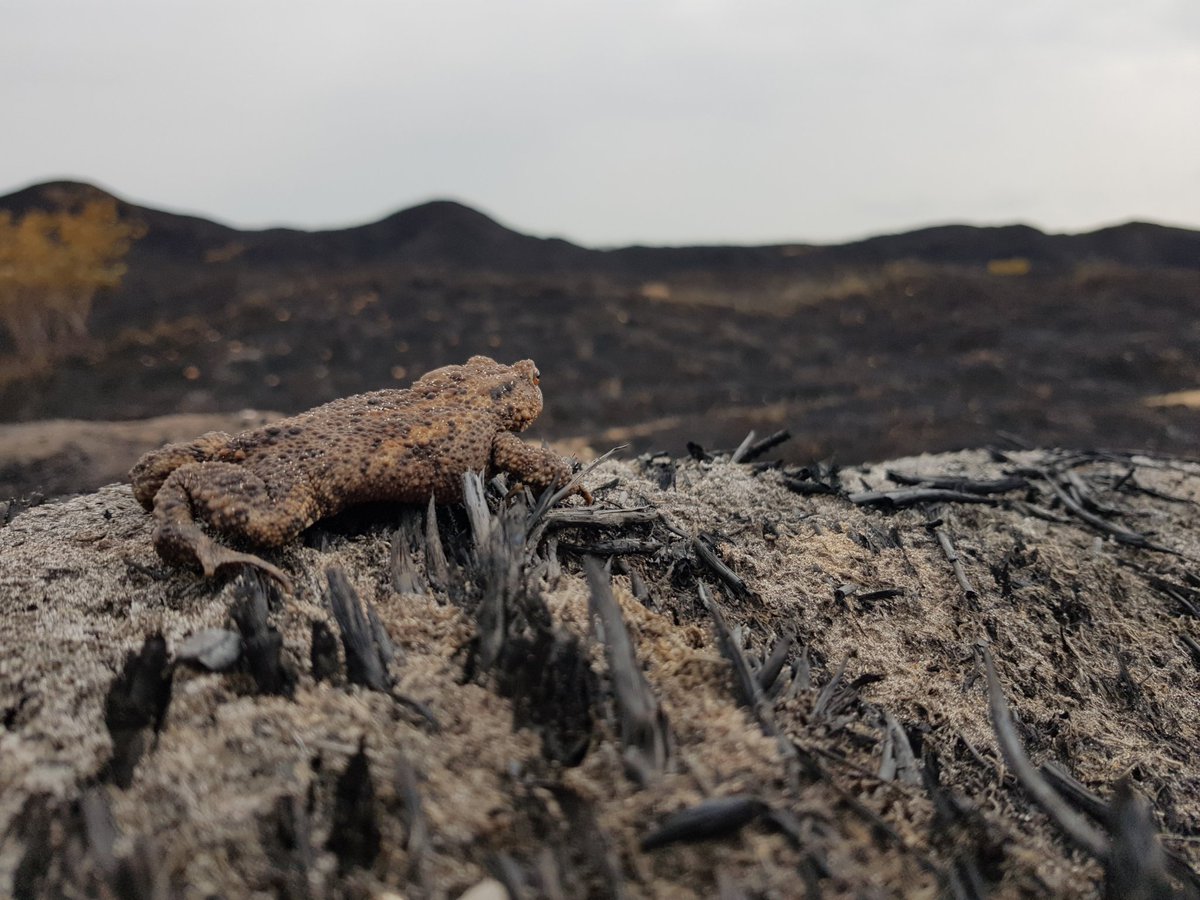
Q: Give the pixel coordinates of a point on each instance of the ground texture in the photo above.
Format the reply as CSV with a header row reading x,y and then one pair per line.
x,y
725,678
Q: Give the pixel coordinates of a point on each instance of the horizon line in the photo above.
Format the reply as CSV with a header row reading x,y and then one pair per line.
x,y
366,222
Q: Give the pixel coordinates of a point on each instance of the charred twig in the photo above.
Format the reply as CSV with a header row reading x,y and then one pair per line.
x,y
614,547
322,654
262,643
799,486
1038,512
1083,493
1103,813
911,496
578,516
644,730
750,691
1120,535
960,484
1193,648
898,756
708,555
801,675
743,448
768,673
137,700
365,663
710,819
955,561
354,837
498,556
825,695
758,448
1074,792
405,577
413,817
1135,485
1136,867
437,570
1068,821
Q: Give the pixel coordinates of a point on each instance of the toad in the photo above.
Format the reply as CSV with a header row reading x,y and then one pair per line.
x,y
265,486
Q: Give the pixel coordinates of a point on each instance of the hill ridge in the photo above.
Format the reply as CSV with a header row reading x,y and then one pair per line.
x,y
446,230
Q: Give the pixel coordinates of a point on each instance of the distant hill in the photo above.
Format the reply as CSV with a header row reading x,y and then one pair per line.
x,y
443,233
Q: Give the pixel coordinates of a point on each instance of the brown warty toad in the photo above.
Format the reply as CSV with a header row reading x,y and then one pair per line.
x,y
267,485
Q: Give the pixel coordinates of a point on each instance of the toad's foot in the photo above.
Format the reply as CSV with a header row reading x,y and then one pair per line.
x,y
230,500
186,544
537,467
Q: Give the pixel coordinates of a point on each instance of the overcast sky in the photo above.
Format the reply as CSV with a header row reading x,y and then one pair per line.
x,y
616,121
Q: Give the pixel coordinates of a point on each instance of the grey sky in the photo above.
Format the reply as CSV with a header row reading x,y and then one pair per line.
x,y
614,121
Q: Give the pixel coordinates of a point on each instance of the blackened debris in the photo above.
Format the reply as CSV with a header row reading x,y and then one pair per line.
x,y
580,516
614,547
1108,815
974,846
323,652
1136,867
711,819
404,575
910,496
413,818
952,556
1193,648
71,851
550,681
768,673
816,478
33,868
544,671
661,468
749,692
643,724
962,485
365,663
286,839
262,644
1066,819
136,706
437,570
799,486
757,448
706,552
354,835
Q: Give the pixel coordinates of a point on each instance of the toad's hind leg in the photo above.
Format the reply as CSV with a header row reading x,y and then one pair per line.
x,y
148,475
231,500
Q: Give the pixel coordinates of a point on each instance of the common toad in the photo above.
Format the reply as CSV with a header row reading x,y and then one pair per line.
x,y
267,485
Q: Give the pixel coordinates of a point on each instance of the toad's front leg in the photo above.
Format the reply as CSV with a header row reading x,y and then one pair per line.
x,y
537,467
232,500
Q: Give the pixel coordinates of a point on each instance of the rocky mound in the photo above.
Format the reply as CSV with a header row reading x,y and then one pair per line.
x,y
725,678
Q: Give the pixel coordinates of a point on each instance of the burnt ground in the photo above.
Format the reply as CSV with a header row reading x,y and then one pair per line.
x,y
894,345
914,359
780,688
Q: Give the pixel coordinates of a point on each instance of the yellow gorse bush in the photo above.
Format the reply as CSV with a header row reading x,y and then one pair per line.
x,y
51,266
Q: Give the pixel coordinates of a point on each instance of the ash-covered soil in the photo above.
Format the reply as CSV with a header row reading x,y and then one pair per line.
x,y
786,694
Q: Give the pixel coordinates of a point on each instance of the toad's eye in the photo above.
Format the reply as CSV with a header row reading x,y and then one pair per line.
x,y
537,377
